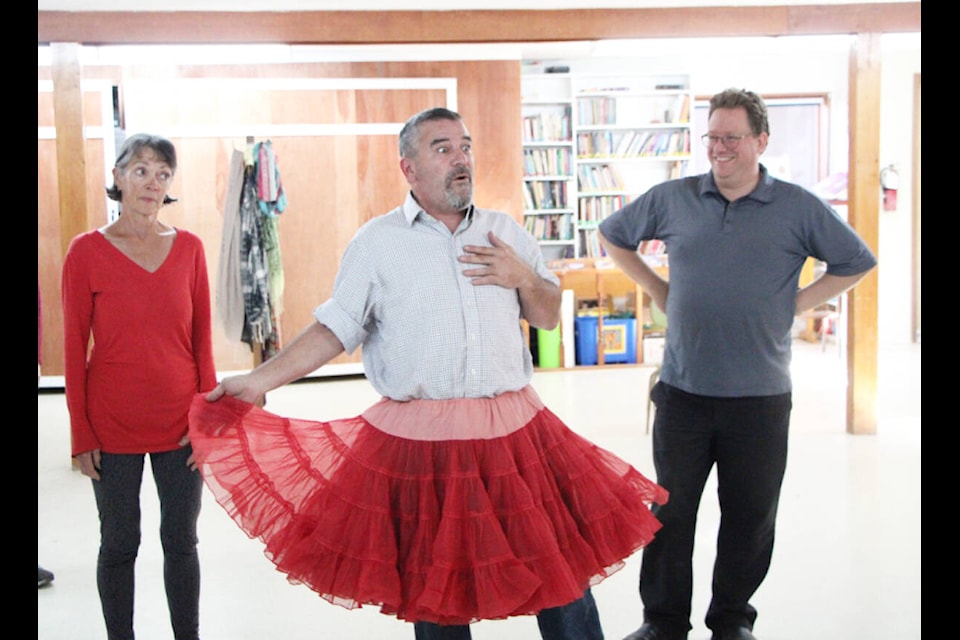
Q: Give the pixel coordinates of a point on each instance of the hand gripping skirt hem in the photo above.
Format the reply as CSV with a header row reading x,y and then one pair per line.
x,y
446,531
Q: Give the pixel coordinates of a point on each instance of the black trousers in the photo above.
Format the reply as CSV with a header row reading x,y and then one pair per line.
x,y
746,438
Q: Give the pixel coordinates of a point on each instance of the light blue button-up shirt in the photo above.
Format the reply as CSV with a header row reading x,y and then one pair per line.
x,y
427,331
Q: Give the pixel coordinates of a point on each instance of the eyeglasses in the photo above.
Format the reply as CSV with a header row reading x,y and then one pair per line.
x,y
729,142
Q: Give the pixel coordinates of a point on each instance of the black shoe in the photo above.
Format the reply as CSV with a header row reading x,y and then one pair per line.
x,y
44,577
650,632
740,633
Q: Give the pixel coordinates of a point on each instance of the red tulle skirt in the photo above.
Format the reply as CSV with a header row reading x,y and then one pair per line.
x,y
447,511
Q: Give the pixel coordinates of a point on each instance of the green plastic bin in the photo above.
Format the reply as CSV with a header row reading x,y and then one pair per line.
x,y
548,348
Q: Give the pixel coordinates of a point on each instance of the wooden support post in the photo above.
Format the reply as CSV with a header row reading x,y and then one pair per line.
x,y
864,210
71,157
71,151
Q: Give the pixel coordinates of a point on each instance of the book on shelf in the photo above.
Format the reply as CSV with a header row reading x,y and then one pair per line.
x,y
545,194
554,226
527,196
610,177
633,143
594,209
590,246
676,143
682,111
549,161
546,126
597,110
678,170
628,108
602,177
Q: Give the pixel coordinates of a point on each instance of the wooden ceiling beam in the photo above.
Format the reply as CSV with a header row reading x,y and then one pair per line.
x,y
441,27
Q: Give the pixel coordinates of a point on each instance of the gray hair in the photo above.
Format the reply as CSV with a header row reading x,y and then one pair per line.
x,y
132,149
410,134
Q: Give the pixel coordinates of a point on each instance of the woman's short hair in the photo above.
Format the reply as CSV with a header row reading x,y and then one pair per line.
x,y
133,147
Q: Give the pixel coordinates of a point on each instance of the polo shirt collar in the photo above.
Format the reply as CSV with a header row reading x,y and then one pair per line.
x,y
763,192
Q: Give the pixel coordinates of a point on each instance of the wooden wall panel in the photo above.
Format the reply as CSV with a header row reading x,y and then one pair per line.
x,y
320,175
93,114
49,256
50,234
489,101
45,109
334,183
97,180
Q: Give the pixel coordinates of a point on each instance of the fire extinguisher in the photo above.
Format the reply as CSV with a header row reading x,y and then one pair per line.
x,y
890,182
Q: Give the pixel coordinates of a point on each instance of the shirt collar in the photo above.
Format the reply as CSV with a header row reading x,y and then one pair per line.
x,y
763,192
412,209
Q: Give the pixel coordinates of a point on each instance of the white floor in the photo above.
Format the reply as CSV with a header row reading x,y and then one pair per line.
x,y
846,565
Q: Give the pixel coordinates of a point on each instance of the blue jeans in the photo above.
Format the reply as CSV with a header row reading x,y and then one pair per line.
x,y
578,620
747,439
118,501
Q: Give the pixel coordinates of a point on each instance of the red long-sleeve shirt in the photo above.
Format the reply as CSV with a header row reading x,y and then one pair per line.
x,y
152,348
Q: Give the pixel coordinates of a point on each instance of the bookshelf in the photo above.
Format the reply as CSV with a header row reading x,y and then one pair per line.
x,y
632,131
593,142
549,182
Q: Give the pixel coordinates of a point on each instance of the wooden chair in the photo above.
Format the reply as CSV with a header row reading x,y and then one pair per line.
x,y
651,408
824,320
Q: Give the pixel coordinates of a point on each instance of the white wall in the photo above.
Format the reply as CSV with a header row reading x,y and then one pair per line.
x,y
900,65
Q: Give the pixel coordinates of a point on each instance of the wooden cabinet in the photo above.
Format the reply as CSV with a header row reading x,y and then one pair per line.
x,y
600,289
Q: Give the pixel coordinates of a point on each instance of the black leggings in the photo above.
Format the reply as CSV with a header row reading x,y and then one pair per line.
x,y
118,501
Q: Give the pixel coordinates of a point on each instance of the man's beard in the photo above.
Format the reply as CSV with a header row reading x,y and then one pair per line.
x,y
455,198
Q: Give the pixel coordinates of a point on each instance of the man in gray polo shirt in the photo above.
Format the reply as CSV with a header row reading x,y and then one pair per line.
x,y
736,240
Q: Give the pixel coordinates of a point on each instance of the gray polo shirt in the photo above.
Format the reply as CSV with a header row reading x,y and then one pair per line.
x,y
734,272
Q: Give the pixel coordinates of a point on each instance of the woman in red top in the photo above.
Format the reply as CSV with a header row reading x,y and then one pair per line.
x,y
139,289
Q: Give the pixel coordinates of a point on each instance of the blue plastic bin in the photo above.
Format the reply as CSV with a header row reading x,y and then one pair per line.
x,y
619,340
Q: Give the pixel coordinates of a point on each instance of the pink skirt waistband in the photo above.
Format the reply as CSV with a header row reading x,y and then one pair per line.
x,y
456,419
